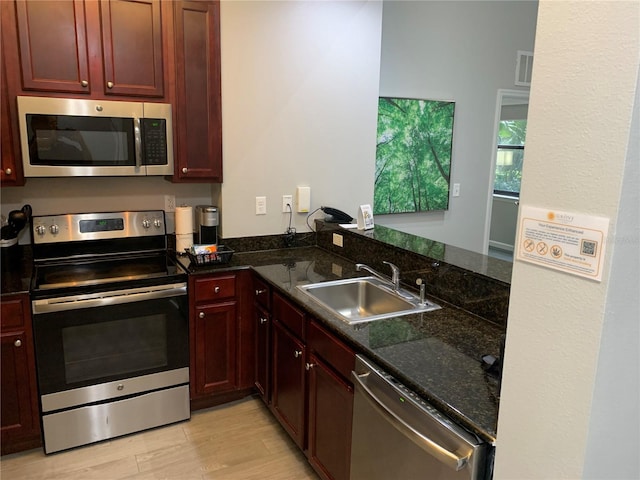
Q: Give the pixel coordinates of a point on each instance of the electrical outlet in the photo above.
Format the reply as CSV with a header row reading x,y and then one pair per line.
x,y
287,203
169,203
455,191
261,205
337,240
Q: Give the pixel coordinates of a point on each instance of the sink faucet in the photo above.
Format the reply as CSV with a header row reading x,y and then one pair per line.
x,y
395,273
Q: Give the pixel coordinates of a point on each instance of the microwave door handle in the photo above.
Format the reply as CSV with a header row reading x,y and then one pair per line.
x,y
138,141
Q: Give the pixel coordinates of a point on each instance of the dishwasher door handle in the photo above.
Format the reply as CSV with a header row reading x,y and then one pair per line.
x,y
438,451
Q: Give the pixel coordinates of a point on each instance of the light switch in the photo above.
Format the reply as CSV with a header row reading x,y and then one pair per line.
x,y
261,205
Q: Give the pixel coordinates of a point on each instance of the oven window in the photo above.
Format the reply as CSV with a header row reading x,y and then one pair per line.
x,y
122,346
80,141
89,346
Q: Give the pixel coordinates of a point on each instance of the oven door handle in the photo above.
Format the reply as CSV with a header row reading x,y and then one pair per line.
x,y
102,299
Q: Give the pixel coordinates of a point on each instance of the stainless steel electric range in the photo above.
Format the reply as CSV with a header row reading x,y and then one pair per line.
x,y
110,318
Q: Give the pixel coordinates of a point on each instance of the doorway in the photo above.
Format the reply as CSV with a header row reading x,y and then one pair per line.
x,y
506,171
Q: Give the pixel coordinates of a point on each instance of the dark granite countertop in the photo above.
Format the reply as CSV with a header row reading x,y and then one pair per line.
x,y
437,354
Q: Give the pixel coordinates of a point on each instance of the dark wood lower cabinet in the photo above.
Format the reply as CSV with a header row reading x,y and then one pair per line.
x,y
329,421
262,322
311,391
215,348
221,337
288,382
20,424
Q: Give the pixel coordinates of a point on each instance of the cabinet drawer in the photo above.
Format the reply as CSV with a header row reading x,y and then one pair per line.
x,y
288,315
214,288
12,313
262,294
331,350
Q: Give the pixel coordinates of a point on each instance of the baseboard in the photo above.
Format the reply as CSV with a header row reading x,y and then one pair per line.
x,y
501,246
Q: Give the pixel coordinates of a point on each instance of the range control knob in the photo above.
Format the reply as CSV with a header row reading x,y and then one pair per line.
x,y
146,223
41,230
157,223
54,229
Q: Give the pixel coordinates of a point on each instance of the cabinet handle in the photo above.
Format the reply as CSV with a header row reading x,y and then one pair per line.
x,y
297,353
84,83
185,170
216,289
260,292
201,314
263,321
8,171
109,84
18,343
309,366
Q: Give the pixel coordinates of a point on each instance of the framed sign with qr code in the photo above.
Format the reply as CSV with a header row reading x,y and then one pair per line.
x,y
569,242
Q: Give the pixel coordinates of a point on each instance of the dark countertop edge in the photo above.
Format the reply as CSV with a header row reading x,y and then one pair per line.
x,y
483,432
485,265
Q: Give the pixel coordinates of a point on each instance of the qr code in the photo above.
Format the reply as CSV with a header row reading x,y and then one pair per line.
x,y
589,247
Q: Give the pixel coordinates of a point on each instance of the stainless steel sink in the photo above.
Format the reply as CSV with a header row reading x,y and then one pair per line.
x,y
364,299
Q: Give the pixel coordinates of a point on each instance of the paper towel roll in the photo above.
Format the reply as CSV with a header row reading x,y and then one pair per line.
x,y
184,220
183,241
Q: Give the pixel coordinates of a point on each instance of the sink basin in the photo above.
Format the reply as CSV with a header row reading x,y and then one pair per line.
x,y
364,299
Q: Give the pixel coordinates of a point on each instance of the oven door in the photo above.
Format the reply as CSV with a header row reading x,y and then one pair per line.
x,y
86,341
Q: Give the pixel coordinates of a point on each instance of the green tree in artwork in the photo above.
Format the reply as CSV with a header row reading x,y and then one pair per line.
x,y
413,155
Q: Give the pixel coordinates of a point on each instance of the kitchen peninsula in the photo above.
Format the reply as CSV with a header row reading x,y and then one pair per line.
x,y
436,354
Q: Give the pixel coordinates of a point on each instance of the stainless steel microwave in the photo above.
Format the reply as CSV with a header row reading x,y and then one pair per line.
x,y
63,137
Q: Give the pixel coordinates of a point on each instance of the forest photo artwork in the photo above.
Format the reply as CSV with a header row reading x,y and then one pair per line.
x,y
413,155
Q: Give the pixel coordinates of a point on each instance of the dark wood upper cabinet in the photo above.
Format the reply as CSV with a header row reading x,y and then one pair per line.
x,y
132,47
154,50
198,107
110,48
54,52
11,173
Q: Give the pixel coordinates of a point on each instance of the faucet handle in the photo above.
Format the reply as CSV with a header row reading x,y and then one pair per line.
x,y
393,267
420,282
395,273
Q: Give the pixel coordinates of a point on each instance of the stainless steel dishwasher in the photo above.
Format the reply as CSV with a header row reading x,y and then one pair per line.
x,y
398,435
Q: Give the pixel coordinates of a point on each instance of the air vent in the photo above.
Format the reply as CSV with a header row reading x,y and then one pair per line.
x,y
524,66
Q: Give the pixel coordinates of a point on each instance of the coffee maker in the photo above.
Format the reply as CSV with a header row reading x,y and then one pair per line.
x,y
207,224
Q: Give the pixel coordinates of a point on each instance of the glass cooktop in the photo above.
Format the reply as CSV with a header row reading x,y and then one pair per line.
x,y
104,270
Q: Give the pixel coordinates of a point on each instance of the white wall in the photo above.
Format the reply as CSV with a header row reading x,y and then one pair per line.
x,y
299,106
84,194
568,338
465,52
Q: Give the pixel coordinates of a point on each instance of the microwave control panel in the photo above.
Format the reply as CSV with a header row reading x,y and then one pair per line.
x,y
154,131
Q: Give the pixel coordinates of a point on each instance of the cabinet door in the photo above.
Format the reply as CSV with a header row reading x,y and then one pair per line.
x,y
53,46
330,415
198,108
215,348
19,425
288,383
132,47
263,362
11,174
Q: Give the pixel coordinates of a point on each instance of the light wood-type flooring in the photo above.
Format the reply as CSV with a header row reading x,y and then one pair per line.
x,y
239,441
